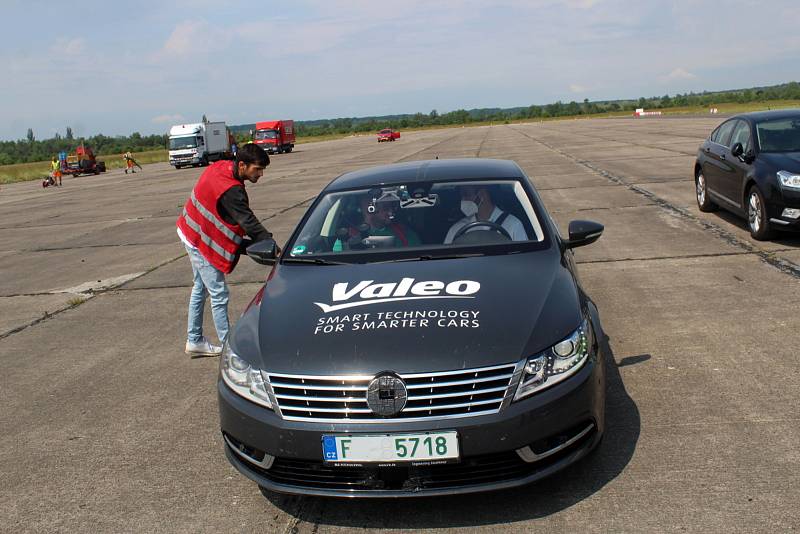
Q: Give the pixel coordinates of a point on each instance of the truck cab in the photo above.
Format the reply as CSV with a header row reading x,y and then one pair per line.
x,y
275,137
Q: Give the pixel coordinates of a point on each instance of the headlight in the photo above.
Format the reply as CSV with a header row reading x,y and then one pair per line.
x,y
556,363
243,378
789,180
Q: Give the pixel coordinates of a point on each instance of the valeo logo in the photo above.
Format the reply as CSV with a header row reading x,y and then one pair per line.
x,y
367,292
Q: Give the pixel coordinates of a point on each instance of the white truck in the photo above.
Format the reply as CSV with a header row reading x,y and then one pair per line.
x,y
198,144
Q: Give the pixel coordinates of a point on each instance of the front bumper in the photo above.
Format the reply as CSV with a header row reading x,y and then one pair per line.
x,y
551,429
777,200
191,160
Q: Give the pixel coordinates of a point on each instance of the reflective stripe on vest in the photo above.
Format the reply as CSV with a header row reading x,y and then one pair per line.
x,y
207,239
210,217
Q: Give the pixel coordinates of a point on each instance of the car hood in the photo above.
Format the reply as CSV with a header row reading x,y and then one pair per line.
x,y
786,161
406,317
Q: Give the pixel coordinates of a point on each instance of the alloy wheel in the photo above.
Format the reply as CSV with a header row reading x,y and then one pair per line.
x,y
701,189
754,211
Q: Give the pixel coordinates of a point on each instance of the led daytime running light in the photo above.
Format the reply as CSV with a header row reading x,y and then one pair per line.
x,y
557,363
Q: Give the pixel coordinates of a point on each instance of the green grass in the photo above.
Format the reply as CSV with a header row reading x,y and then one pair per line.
x,y
22,172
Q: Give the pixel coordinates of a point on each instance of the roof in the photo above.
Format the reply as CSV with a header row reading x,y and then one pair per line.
x,y
436,170
759,116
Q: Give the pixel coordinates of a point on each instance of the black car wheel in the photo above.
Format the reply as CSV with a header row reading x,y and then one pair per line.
x,y
757,215
701,190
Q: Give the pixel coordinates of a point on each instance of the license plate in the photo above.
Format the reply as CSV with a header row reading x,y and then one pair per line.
x,y
390,448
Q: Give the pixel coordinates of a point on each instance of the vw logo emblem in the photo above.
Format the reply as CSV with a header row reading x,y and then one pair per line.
x,y
386,395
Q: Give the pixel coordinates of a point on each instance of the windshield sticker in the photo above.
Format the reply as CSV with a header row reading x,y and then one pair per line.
x,y
406,289
345,295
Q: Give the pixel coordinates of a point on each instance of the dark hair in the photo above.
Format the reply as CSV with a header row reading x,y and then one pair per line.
x,y
252,154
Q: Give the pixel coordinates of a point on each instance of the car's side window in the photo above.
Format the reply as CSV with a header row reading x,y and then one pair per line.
x,y
724,133
741,134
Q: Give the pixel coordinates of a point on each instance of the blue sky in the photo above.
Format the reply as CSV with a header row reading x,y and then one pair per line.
x,y
114,68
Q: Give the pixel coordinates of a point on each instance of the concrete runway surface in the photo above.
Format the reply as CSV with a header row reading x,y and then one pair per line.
x,y
109,426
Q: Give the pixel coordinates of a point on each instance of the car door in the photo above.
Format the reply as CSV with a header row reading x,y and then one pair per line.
x,y
732,181
717,167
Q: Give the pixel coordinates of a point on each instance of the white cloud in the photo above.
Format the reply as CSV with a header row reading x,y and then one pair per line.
x,y
168,119
678,74
575,88
183,38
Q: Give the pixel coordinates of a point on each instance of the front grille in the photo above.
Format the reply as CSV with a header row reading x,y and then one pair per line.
x,y
472,471
467,392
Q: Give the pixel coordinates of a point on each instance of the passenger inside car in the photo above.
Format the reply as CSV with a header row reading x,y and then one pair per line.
x,y
377,217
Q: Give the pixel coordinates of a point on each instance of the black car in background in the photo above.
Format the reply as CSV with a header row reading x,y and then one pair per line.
x,y
402,348
750,166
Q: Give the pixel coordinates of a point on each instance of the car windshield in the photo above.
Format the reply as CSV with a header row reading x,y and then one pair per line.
x,y
385,131
266,134
782,135
177,143
426,220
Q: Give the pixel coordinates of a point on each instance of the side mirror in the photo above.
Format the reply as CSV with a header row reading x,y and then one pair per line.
x,y
749,156
583,233
264,252
251,133
737,150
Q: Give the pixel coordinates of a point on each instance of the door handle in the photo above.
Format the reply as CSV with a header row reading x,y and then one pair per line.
x,y
722,156
708,149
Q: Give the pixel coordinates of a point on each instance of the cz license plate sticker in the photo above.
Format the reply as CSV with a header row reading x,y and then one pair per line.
x,y
422,447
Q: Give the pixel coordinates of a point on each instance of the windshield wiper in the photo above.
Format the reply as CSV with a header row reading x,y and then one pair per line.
x,y
426,257
314,261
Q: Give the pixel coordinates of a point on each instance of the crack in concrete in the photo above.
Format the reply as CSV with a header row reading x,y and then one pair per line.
x,y
661,258
483,141
783,265
47,315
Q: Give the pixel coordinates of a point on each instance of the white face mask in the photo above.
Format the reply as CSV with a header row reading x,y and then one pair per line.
x,y
469,208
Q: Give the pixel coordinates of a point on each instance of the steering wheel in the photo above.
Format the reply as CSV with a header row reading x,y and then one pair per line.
x,y
492,227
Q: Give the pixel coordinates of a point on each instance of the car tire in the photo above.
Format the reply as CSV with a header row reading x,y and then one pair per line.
x,y
701,194
757,221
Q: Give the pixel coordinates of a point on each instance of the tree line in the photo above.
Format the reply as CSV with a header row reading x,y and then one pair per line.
x,y
31,149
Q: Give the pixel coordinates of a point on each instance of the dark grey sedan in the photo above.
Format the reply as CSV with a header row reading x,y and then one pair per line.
x,y
423,333
750,166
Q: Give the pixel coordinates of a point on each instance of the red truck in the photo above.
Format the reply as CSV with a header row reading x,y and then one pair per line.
x,y
275,136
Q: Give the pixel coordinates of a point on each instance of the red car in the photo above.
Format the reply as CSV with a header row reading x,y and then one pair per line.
x,y
387,134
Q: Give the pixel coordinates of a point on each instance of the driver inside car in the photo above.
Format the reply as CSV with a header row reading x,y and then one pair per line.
x,y
477,206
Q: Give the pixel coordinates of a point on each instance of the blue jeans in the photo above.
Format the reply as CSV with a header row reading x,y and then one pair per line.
x,y
208,280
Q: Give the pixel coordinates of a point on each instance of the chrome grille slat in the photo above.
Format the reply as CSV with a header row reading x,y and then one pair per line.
x,y
321,399
315,386
449,406
459,372
459,394
458,382
438,395
291,408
